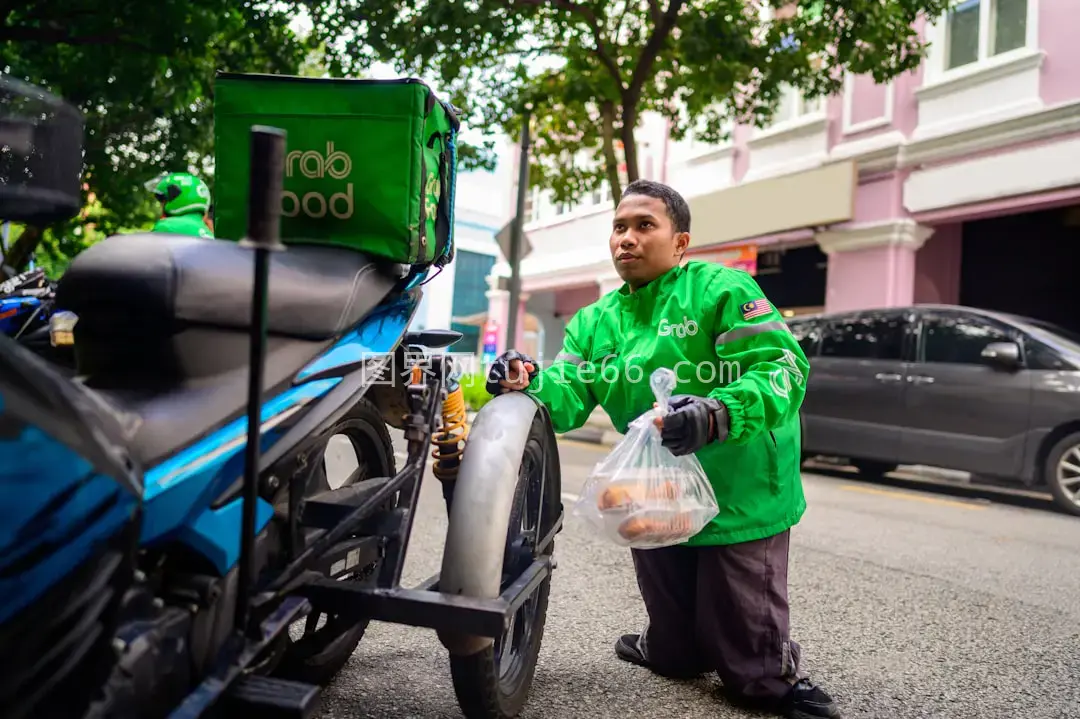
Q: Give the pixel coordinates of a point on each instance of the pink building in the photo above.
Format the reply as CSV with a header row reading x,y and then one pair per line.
x,y
957,183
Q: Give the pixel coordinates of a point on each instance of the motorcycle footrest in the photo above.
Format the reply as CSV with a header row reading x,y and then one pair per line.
x,y
326,510
269,698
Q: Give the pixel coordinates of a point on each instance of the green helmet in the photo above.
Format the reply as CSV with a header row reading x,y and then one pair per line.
x,y
181,193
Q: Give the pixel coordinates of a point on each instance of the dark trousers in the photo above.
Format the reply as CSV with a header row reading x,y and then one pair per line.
x,y
722,609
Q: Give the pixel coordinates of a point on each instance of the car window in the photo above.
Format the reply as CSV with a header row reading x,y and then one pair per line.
x,y
1048,330
960,339
1039,356
1048,334
807,335
867,336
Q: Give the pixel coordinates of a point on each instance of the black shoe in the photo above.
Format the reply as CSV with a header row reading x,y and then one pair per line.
x,y
806,700
629,649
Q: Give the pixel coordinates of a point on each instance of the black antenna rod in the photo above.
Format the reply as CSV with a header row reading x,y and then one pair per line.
x,y
263,236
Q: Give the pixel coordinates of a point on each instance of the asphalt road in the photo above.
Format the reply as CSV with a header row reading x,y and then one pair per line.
x,y
907,603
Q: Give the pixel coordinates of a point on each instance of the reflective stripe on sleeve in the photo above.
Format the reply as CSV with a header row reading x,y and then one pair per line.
x,y
750,330
567,357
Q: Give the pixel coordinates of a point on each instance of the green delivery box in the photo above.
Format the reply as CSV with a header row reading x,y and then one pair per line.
x,y
369,164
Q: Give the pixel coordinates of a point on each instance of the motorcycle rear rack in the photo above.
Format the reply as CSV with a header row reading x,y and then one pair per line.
x,y
426,606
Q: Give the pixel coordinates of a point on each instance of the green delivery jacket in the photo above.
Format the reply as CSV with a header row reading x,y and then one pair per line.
x,y
716,330
192,224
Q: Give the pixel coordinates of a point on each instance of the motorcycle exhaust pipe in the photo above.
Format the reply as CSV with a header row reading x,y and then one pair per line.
x,y
267,166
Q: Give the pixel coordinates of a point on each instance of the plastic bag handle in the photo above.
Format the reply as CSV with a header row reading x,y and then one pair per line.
x,y
663,384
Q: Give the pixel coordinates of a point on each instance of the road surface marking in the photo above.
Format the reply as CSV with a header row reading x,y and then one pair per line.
x,y
912,497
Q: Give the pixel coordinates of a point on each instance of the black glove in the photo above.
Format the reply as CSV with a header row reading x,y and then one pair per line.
x,y
500,370
687,426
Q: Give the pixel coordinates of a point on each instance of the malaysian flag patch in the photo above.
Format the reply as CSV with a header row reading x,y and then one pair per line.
x,y
757,308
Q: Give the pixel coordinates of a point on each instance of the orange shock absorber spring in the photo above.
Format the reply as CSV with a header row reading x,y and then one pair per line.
x,y
450,440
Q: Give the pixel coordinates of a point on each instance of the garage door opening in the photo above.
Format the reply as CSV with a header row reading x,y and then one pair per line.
x,y
1024,264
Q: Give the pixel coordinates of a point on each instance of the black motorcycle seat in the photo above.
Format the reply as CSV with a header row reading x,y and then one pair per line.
x,y
164,319
160,283
170,418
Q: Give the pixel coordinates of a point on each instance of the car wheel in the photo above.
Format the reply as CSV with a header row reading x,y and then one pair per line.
x,y
1062,473
872,469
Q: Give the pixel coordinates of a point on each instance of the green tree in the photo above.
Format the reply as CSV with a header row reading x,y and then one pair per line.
x,y
590,68
143,75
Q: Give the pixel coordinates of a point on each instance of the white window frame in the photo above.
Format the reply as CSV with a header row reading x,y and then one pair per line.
x,y
691,148
532,206
604,199
801,112
938,35
886,118
801,117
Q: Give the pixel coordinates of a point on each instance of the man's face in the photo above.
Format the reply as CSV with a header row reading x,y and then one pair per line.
x,y
644,243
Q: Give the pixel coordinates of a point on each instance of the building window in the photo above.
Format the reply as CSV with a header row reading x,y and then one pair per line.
x,y
531,203
980,29
600,196
470,282
793,106
470,294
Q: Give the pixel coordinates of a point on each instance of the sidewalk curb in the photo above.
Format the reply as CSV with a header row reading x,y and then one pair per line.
x,y
593,435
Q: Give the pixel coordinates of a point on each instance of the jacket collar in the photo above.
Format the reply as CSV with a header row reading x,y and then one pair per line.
x,y
661,285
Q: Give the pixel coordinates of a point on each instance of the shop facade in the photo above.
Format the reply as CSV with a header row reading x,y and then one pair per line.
x,y
956,183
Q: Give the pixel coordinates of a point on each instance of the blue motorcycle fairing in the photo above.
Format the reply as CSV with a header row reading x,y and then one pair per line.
x,y
377,336
215,533
58,510
182,487
180,491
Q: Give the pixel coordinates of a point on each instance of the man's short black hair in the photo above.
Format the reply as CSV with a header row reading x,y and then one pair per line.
x,y
677,209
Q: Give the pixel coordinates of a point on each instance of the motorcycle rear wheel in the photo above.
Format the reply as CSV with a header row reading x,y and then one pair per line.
x,y
495,682
328,642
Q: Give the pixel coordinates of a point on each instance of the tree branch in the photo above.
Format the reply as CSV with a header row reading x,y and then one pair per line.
x,y
655,12
611,162
650,52
22,249
594,25
631,96
598,36
546,50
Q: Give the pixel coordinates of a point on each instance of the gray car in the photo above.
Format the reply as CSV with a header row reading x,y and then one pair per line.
x,y
960,388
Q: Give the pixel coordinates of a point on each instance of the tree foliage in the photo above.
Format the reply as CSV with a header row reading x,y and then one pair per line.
x,y
143,75
590,68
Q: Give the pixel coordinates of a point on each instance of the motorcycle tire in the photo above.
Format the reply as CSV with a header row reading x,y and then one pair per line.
x,y
495,682
318,656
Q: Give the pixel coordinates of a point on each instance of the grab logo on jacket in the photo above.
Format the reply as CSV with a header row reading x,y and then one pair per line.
x,y
686,328
781,379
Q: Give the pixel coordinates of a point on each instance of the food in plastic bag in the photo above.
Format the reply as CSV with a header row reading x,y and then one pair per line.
x,y
641,495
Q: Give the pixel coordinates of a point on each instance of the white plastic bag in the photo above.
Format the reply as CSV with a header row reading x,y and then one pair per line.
x,y
643,496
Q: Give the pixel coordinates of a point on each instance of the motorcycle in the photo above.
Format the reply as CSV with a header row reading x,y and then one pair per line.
x,y
26,307
171,541
25,303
